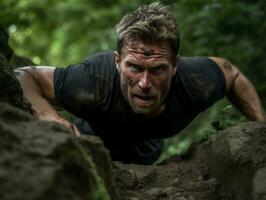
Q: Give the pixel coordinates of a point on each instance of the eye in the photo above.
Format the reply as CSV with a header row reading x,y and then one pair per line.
x,y
157,70
135,68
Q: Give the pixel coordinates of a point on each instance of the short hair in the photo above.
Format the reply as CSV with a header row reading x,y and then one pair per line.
x,y
153,23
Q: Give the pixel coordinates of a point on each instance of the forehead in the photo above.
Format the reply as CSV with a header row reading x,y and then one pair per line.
x,y
140,50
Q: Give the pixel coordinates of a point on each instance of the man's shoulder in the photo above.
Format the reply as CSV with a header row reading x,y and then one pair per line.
x,y
192,63
106,57
202,78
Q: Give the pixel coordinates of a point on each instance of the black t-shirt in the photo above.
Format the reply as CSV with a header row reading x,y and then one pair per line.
x,y
91,90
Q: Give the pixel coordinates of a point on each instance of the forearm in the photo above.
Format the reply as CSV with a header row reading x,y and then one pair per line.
x,y
244,96
32,92
38,91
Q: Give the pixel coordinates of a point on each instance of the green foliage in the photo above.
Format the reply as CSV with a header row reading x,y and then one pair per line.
x,y
228,117
203,128
229,29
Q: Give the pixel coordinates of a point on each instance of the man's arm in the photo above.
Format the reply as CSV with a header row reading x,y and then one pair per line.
x,y
38,90
240,91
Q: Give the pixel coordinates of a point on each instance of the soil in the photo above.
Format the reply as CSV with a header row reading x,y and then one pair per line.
x,y
175,179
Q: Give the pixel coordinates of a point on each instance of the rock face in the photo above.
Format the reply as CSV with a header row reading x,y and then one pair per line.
x,y
259,184
10,90
41,160
237,157
4,48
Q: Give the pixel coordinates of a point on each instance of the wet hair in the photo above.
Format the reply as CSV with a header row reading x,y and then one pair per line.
x,y
150,24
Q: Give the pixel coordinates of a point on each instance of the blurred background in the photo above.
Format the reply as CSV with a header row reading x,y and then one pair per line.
x,y
63,32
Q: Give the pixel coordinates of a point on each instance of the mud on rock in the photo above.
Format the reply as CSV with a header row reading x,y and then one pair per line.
x,y
230,166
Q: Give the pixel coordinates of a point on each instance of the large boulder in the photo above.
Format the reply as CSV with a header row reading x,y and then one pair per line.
x,y
10,90
237,158
4,47
42,161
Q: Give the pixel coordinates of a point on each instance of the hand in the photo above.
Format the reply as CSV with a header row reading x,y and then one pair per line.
x,y
54,117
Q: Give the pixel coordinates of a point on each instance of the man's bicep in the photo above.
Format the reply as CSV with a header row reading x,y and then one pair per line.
x,y
230,71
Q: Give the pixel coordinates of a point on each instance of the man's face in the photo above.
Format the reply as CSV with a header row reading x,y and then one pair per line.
x,y
146,72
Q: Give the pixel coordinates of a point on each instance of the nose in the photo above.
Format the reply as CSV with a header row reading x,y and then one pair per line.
x,y
144,82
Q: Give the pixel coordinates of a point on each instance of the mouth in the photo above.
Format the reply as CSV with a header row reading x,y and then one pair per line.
x,y
143,100
144,97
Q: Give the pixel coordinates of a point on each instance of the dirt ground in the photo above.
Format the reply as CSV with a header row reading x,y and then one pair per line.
x,y
175,179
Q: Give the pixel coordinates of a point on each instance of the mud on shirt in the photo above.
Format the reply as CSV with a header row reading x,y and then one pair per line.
x,y
91,90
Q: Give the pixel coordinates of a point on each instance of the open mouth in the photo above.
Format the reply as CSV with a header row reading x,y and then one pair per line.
x,y
144,98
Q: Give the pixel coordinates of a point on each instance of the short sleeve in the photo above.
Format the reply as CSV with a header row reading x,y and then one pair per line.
x,y
83,88
203,80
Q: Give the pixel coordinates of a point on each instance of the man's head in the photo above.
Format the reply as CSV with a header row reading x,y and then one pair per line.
x,y
146,57
150,24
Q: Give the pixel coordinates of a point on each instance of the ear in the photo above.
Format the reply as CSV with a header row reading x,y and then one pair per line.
x,y
117,61
175,64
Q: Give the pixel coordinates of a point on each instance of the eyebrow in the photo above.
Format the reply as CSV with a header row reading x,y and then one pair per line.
x,y
164,65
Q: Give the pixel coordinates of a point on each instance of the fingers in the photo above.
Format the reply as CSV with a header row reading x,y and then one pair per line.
x,y
53,117
76,131
70,126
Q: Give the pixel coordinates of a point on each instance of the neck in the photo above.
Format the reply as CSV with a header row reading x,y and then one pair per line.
x,y
154,114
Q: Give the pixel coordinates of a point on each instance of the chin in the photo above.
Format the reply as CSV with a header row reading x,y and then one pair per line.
x,y
143,111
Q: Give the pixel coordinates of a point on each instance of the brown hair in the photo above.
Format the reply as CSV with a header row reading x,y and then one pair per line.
x,y
152,23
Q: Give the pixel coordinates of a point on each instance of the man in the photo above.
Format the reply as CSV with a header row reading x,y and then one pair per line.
x,y
141,93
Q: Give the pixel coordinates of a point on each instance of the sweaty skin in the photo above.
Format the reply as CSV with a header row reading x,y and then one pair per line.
x,y
240,91
146,72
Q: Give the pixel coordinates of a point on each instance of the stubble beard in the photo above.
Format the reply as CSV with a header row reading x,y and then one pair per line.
x,y
124,84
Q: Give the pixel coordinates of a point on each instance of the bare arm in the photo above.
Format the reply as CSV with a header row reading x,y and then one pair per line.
x,y
38,90
241,92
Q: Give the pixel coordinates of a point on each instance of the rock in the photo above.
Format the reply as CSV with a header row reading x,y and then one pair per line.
x,y
259,185
160,192
126,179
19,61
235,154
94,146
10,90
166,192
42,160
143,172
4,48
129,175
140,171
